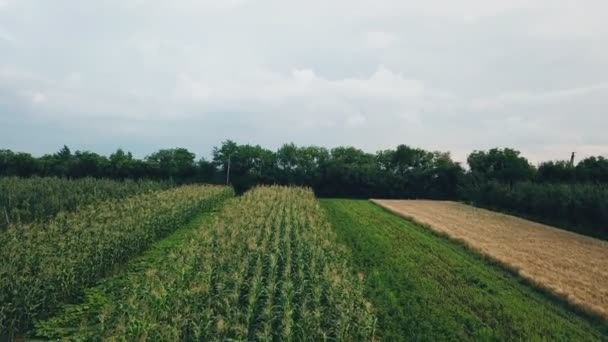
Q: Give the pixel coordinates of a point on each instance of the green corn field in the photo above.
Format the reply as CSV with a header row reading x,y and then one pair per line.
x,y
268,268
44,264
37,199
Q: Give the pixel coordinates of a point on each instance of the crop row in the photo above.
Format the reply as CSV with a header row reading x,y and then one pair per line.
x,y
43,265
26,200
268,268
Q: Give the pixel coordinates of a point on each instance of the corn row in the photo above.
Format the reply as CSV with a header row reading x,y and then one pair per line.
x,y
267,269
43,265
38,199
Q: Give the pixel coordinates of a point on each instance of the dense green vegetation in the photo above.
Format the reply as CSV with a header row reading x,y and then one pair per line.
x,y
73,319
268,268
558,193
36,199
45,264
268,265
426,287
582,208
177,163
498,178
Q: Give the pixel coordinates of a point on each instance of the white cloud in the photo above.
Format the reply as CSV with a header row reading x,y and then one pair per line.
x,y
356,120
441,75
304,75
573,19
379,39
304,93
519,98
38,98
7,36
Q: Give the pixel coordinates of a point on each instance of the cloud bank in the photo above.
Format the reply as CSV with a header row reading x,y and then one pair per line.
x,y
373,74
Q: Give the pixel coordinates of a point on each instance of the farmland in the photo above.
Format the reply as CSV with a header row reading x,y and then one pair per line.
x,y
148,261
38,199
426,287
267,267
569,265
331,171
45,264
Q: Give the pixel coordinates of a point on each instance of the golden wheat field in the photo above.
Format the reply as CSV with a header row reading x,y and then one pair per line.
x,y
572,266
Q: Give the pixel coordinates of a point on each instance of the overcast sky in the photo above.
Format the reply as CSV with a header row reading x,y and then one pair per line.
x,y
441,75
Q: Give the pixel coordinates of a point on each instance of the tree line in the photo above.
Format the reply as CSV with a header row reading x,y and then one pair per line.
x,y
342,171
498,178
562,193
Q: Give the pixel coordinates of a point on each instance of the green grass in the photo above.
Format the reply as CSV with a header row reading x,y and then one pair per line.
x,y
87,313
427,287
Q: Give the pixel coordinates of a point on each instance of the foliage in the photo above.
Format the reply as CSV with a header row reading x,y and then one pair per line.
x,y
559,171
173,163
506,166
71,319
589,170
26,200
403,172
249,165
269,268
45,264
579,207
426,287
342,171
592,169
177,164
558,193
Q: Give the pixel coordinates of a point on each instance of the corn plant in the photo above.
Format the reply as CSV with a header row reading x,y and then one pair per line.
x,y
269,268
37,199
45,264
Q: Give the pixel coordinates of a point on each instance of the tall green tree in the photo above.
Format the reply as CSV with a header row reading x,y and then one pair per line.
x,y
121,164
244,165
87,164
17,164
556,172
176,163
503,165
593,169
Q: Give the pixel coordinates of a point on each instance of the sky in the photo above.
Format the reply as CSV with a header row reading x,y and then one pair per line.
x,y
441,75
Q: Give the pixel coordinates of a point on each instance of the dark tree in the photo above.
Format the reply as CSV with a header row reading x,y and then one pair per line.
x,y
593,169
175,164
556,172
503,165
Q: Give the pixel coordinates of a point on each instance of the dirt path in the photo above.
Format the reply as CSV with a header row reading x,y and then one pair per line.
x,y
572,266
